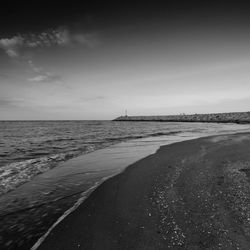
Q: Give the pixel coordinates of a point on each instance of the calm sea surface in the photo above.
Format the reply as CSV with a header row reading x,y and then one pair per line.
x,y
28,148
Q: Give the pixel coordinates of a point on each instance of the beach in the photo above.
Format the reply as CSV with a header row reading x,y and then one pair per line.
x,y
62,165
188,195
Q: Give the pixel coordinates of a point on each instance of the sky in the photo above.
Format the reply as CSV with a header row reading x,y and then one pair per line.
x,y
100,58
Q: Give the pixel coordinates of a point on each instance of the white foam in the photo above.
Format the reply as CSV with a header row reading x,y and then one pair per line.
x,y
83,197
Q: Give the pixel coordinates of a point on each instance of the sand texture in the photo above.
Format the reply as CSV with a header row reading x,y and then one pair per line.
x,y
189,195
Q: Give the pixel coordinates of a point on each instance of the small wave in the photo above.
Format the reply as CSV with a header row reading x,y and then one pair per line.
x,y
58,140
142,136
124,138
15,174
165,133
35,154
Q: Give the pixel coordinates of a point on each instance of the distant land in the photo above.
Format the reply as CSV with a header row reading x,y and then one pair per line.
x,y
233,117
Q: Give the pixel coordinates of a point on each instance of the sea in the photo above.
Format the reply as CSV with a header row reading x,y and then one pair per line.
x,y
33,149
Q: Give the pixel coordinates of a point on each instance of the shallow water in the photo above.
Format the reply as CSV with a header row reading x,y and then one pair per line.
x,y
29,148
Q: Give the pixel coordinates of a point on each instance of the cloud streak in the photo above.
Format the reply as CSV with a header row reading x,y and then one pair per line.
x,y
42,76
16,47
54,37
46,77
13,102
11,45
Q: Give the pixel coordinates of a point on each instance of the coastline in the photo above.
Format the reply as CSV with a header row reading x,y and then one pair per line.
x,y
165,200
28,212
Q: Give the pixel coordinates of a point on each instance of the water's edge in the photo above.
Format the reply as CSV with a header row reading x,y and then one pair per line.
x,y
88,192
53,194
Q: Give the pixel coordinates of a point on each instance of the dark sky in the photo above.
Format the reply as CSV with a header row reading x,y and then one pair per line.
x,y
38,15
93,60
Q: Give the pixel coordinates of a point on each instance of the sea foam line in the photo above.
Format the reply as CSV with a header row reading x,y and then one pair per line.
x,y
85,195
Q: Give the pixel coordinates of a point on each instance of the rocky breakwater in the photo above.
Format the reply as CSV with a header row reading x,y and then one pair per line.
x,y
233,117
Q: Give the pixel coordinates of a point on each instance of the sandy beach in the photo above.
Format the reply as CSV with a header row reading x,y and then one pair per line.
x,y
188,195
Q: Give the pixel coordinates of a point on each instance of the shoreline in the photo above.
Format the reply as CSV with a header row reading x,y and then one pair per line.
x,y
29,211
83,197
97,212
81,200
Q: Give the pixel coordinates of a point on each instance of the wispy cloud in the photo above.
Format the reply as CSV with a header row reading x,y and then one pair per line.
x,y
12,102
53,37
42,76
46,77
16,47
11,45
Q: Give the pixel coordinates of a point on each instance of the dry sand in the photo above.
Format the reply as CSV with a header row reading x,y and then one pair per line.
x,y
189,195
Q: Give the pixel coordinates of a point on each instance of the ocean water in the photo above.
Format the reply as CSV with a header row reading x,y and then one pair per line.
x,y
29,148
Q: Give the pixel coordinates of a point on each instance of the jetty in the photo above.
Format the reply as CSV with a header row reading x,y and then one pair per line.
x,y
233,117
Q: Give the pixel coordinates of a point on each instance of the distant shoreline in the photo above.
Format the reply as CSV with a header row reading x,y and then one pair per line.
x,y
233,117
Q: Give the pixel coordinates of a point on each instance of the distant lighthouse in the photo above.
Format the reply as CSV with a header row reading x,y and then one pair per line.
x,y
126,113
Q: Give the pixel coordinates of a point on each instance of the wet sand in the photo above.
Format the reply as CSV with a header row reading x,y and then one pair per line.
x,y
189,195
